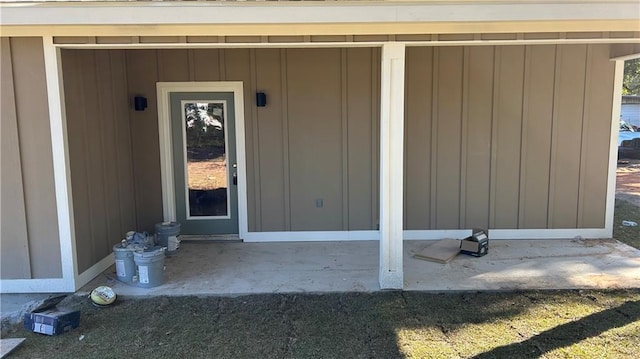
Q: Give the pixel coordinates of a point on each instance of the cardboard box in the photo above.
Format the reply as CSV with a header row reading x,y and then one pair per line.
x,y
477,244
51,320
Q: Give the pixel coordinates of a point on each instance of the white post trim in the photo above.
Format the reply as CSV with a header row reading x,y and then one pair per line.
x,y
163,90
613,146
95,270
61,172
391,165
39,285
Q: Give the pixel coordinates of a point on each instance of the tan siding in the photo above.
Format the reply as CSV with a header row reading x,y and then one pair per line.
x,y
114,150
122,141
448,128
359,138
279,185
285,135
417,204
376,55
566,140
99,150
15,261
328,38
242,39
116,39
271,144
478,137
478,134
77,139
173,65
530,143
536,145
314,113
160,39
74,40
595,138
199,39
238,68
507,131
206,65
286,38
35,150
94,180
142,74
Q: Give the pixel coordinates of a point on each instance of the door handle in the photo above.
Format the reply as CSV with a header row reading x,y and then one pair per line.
x,y
235,175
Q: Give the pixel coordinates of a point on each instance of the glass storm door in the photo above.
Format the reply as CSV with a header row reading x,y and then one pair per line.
x,y
204,158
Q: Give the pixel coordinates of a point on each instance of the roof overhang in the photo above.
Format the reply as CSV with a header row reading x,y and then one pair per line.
x,y
316,17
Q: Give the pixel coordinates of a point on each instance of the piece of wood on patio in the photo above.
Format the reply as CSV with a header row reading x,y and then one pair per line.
x,y
441,251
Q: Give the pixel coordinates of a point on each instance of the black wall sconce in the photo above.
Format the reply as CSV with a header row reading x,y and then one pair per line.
x,y
261,99
139,103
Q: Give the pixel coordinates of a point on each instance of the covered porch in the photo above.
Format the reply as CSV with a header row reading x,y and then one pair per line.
x,y
419,129
236,268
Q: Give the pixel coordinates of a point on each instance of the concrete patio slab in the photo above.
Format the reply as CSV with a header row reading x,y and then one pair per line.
x,y
235,268
531,264
205,268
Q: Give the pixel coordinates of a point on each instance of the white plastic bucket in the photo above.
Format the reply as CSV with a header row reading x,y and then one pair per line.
x,y
150,267
125,265
167,235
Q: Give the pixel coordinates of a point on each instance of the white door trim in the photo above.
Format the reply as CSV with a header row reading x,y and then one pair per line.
x,y
164,89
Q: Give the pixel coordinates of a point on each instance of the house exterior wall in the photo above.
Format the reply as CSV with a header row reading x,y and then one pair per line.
x,y
449,187
496,136
29,236
100,151
322,104
507,136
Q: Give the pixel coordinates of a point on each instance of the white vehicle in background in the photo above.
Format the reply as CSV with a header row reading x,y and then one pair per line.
x,y
628,141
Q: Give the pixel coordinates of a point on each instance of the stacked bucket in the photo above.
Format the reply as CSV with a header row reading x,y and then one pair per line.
x,y
140,257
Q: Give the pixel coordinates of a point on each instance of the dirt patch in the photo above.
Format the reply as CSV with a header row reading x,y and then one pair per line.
x,y
207,175
628,181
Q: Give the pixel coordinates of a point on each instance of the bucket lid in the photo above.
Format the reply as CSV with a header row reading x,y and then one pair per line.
x,y
167,225
150,253
120,248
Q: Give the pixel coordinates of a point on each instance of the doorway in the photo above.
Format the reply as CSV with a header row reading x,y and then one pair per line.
x,y
202,156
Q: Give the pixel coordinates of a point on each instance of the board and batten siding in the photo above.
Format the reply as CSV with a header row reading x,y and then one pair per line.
x,y
507,136
496,136
100,156
316,139
29,235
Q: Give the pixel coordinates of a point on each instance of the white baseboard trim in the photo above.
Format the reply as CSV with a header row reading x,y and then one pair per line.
x,y
435,234
587,233
86,276
317,236
311,236
40,285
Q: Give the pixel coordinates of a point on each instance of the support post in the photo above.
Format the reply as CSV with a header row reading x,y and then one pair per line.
x,y
613,149
391,165
61,172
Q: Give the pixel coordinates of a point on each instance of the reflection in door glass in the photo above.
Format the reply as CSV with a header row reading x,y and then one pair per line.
x,y
206,159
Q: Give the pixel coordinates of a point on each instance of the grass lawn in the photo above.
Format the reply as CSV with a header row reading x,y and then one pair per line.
x,y
530,324
629,235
